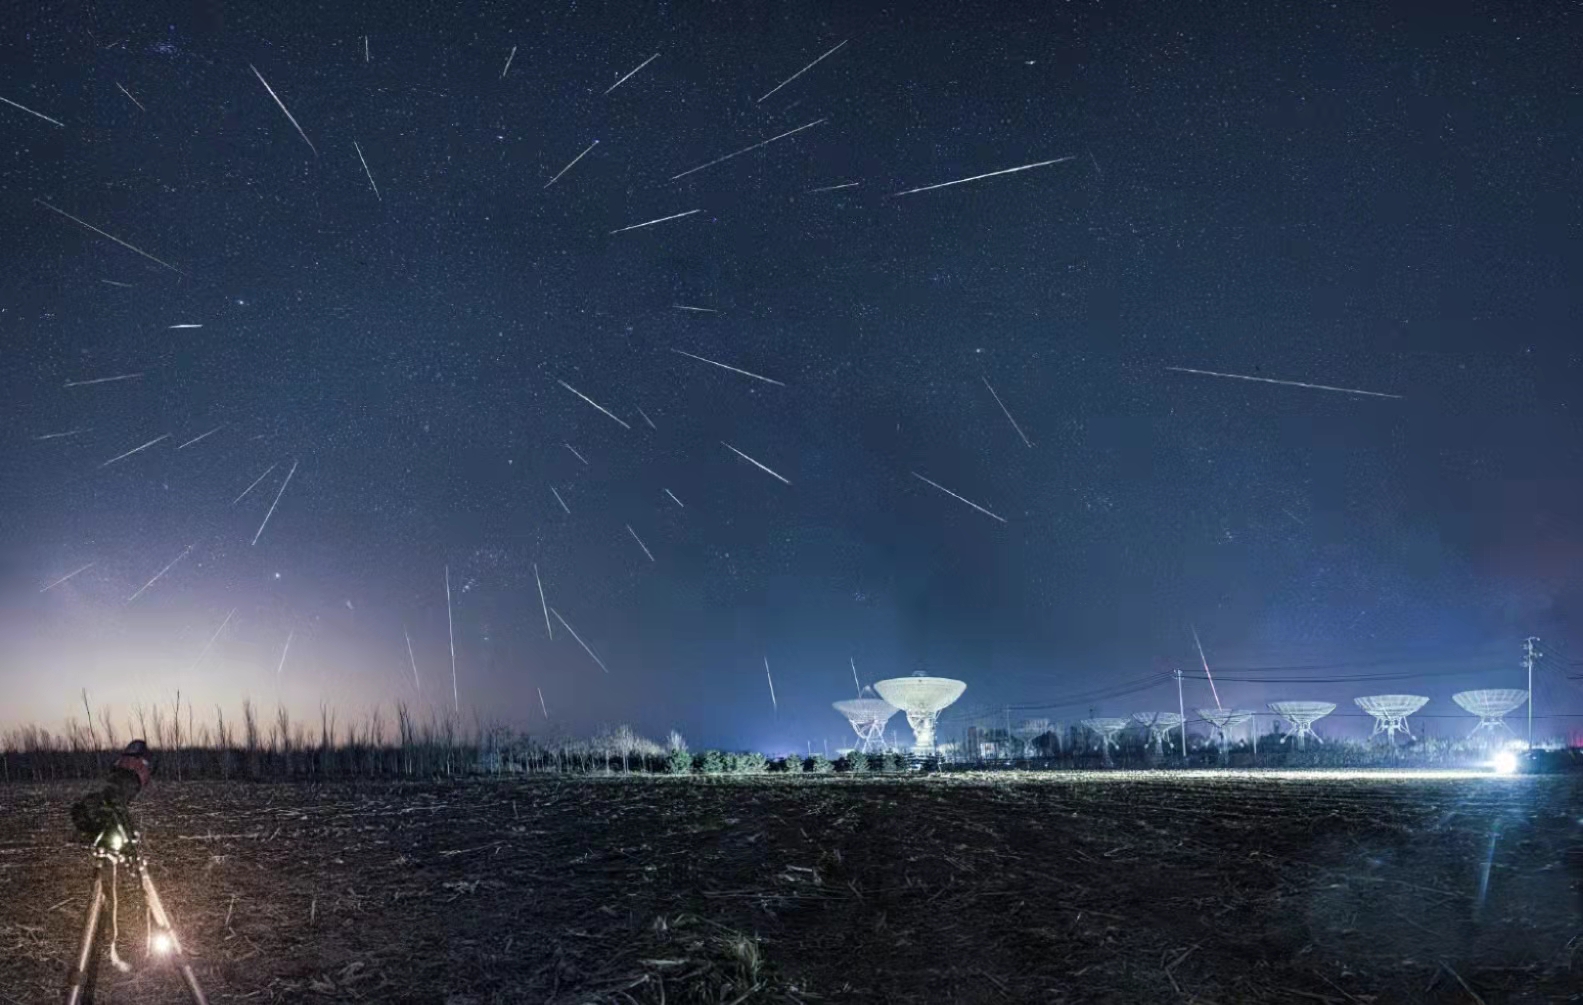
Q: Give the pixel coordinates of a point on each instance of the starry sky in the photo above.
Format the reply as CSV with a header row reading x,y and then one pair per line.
x,y
1357,197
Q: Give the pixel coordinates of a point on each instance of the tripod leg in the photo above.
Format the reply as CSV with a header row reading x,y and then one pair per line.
x,y
156,907
79,982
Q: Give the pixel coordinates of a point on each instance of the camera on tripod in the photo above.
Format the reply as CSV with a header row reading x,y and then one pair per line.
x,y
105,817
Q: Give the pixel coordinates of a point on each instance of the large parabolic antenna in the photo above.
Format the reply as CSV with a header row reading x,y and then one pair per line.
x,y
1491,705
1030,730
1159,725
1106,729
1223,720
1390,711
1302,715
868,717
923,698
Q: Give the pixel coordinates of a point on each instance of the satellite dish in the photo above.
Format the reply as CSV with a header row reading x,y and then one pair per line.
x,y
1302,715
1491,705
1390,711
1106,729
1223,719
1159,725
922,698
868,717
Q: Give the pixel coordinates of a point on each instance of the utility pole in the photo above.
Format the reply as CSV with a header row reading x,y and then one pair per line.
x,y
1181,709
1530,654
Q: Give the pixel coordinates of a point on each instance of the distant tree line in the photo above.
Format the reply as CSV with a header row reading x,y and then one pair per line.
x,y
278,747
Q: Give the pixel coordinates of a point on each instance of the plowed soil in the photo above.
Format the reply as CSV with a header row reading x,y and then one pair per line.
x,y
1088,887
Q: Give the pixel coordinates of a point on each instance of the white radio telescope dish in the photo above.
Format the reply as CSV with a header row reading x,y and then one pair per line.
x,y
1222,720
1106,729
1302,715
1159,725
922,698
1491,705
1390,711
868,717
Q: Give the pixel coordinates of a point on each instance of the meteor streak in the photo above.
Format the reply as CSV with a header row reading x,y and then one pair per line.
x,y
66,577
540,584
367,172
1009,419
639,540
283,651
450,626
635,69
1287,383
128,94
255,483
101,380
804,70
283,108
201,436
650,223
989,174
762,143
568,167
733,369
206,645
276,502
579,639
117,240
958,498
134,450
161,572
412,659
756,464
593,403
41,115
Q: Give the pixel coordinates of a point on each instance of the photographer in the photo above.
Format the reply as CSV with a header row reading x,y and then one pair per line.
x,y
98,812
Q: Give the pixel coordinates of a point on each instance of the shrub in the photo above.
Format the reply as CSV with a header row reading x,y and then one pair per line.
x,y
679,762
750,763
856,762
896,761
778,765
708,763
728,761
818,764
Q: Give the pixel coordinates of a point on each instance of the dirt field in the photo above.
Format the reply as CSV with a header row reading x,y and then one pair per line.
x,y
1070,888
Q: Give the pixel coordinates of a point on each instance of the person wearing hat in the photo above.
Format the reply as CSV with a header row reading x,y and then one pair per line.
x,y
97,812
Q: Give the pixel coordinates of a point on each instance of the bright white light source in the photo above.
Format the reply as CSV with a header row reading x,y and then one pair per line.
x,y
161,943
1505,762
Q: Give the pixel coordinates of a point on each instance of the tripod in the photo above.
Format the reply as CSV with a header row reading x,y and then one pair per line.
x,y
118,845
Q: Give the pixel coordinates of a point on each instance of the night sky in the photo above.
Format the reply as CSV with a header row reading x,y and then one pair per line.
x,y
1359,198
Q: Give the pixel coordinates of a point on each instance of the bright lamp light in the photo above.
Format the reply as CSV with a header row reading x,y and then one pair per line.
x,y
1505,762
161,943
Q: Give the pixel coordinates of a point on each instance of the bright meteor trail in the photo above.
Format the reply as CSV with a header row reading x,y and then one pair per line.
x,y
990,174
1286,383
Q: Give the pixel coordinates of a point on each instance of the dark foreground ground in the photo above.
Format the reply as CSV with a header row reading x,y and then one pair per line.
x,y
1092,888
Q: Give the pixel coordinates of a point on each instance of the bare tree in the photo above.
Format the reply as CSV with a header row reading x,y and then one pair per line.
x,y
109,728
92,735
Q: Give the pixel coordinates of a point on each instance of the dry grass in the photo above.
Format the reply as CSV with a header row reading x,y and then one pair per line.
x,y
798,889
